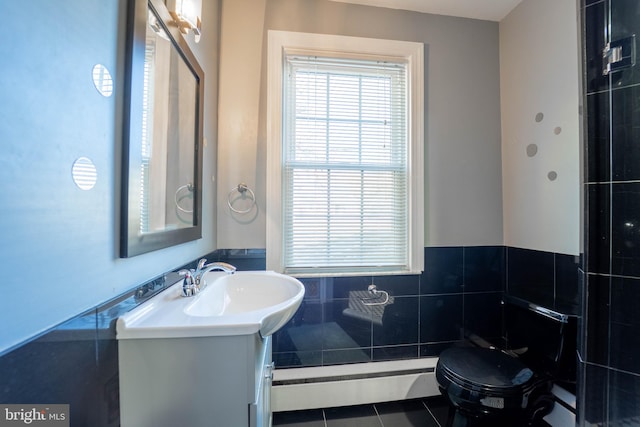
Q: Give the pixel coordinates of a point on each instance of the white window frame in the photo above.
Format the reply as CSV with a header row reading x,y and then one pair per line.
x,y
281,43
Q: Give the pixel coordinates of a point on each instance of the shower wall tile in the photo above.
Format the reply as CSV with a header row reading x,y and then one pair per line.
x,y
598,228
598,137
595,19
624,395
625,21
625,229
597,332
625,324
593,395
625,132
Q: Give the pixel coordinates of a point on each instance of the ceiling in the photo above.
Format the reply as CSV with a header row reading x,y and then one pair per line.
x,y
490,10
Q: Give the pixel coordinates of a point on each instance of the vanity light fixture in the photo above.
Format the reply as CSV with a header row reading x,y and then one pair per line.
x,y
186,15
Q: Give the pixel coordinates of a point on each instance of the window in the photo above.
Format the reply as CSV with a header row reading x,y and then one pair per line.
x,y
345,155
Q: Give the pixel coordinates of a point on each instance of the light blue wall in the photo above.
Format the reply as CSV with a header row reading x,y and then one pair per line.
x,y
59,248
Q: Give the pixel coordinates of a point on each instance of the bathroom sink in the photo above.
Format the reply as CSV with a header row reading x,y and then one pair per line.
x,y
231,304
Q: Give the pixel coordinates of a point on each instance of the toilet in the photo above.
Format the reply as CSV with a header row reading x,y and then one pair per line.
x,y
510,386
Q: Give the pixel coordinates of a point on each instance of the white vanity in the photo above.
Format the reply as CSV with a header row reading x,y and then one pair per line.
x,y
204,360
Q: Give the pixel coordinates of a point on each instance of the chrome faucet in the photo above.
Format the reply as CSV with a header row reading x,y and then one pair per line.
x,y
194,282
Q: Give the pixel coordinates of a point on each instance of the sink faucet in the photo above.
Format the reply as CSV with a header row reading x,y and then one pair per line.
x,y
194,281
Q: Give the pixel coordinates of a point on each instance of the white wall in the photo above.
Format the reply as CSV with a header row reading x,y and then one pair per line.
x,y
539,74
463,199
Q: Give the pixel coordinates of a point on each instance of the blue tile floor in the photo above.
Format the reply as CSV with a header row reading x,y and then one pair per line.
x,y
430,412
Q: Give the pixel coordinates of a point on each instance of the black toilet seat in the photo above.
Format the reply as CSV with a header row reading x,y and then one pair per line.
x,y
485,381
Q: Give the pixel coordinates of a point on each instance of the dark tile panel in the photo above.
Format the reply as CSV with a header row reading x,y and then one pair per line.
x,y
567,284
597,333
440,318
598,138
484,268
624,395
397,352
352,416
625,21
443,269
581,321
395,285
625,229
598,230
344,287
399,285
305,337
434,349
303,332
625,133
398,323
625,324
407,413
341,357
483,315
347,324
59,367
594,390
531,275
242,259
595,21
297,359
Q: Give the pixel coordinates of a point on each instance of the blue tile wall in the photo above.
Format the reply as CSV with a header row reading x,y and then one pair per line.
x,y
609,386
460,294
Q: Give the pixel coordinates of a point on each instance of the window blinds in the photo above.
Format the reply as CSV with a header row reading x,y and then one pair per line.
x,y
345,165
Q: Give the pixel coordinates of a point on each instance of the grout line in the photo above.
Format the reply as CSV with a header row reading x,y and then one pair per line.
x,y
431,413
378,415
324,418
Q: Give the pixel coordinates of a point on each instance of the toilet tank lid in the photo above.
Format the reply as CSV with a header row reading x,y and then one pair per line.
x,y
538,309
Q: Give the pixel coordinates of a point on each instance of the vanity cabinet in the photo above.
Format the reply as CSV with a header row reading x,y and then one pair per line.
x,y
221,381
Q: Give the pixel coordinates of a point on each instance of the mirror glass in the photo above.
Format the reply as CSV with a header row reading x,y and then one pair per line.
x,y
163,135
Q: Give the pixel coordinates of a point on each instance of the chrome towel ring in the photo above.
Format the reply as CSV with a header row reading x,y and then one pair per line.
x,y
242,189
189,187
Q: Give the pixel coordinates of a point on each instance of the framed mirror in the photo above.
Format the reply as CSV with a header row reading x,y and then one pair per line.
x,y
163,122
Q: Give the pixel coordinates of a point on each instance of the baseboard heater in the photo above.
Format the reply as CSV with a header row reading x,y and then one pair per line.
x,y
354,384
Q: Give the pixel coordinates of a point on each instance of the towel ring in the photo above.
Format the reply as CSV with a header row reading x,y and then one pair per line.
x,y
242,189
189,187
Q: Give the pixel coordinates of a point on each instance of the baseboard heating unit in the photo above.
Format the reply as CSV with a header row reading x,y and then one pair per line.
x,y
354,384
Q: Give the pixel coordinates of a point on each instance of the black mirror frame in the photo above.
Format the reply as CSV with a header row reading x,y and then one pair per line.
x,y
131,242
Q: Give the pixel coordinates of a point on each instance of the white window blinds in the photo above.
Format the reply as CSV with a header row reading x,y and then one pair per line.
x,y
345,174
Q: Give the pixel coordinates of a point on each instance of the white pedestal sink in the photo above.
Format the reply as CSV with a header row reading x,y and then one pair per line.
x,y
204,360
242,303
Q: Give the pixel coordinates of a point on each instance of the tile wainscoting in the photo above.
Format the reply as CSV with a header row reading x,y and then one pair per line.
x,y
459,293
